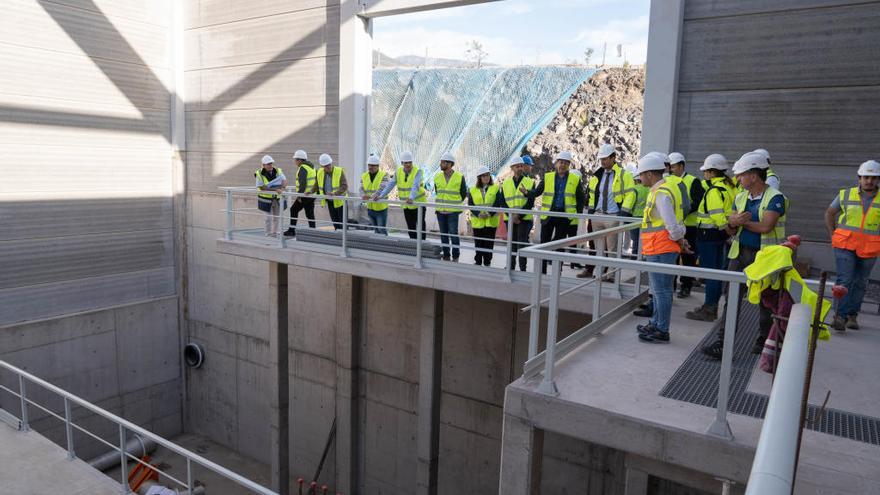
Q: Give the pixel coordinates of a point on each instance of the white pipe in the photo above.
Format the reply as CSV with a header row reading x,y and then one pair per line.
x,y
136,446
773,467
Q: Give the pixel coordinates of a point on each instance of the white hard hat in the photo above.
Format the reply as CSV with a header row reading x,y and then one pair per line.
x,y
663,157
325,160
750,161
447,157
517,160
605,151
764,153
372,160
300,155
716,161
676,157
650,162
482,169
576,172
406,157
869,169
564,155
632,168
267,160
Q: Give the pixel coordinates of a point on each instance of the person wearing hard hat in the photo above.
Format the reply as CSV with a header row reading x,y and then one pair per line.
x,y
450,190
270,180
516,193
560,191
373,181
304,184
712,213
410,189
641,191
612,192
757,220
772,179
676,167
484,223
662,239
335,186
853,223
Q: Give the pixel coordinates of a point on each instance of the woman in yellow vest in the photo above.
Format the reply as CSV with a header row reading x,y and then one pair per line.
x,y
270,180
373,181
712,213
450,190
335,186
662,238
484,223
853,222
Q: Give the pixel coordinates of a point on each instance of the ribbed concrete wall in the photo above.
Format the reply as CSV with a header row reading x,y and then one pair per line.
x,y
799,78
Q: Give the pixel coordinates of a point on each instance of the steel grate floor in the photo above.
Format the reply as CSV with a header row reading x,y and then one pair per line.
x,y
696,382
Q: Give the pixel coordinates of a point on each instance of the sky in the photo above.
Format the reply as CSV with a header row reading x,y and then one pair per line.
x,y
517,32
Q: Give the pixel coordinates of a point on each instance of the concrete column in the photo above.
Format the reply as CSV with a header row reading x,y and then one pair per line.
x,y
430,362
279,379
661,73
349,321
355,86
636,482
522,450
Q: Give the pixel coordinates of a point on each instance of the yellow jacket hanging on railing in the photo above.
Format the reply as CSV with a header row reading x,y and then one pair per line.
x,y
448,192
772,238
335,183
571,184
773,269
405,183
485,197
856,230
371,187
654,236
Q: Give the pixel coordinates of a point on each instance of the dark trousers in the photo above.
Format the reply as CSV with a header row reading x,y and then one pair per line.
x,y
303,204
520,237
689,259
411,215
745,258
553,229
484,241
335,216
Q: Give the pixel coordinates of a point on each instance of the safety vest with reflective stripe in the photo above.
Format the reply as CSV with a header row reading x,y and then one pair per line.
x,y
716,206
691,219
372,187
641,199
772,238
654,236
405,183
857,230
448,192
310,178
622,189
484,197
572,182
335,182
267,197
514,197
771,173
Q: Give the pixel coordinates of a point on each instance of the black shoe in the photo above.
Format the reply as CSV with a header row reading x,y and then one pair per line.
x,y
684,292
644,312
654,336
758,346
647,327
445,257
478,263
455,259
576,266
487,262
290,233
714,350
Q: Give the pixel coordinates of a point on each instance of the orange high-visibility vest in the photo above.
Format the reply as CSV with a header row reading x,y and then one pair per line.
x,y
858,230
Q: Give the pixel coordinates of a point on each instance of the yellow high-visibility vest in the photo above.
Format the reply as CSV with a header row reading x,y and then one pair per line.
x,y
335,182
485,197
572,182
448,192
372,187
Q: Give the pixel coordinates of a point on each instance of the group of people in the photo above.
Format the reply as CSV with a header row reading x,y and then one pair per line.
x,y
718,221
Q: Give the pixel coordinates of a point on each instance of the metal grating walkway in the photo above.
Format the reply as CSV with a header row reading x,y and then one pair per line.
x,y
696,382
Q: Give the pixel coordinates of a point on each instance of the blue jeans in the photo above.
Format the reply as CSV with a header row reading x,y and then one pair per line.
x,y
449,231
661,290
379,219
853,272
711,254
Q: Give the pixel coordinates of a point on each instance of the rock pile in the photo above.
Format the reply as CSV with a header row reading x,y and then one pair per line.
x,y
607,108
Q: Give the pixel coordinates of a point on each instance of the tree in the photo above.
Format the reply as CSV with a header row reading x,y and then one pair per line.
x,y
475,53
588,54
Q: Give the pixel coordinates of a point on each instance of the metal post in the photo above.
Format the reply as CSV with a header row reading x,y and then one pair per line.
x,y
721,427
123,461
619,273
510,260
71,455
230,222
22,392
639,272
597,295
420,216
344,229
548,386
535,312
189,476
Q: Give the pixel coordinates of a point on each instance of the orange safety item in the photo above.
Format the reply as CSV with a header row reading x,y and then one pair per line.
x,y
142,472
858,230
654,236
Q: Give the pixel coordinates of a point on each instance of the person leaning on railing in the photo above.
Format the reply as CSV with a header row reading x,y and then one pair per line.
x,y
450,190
662,238
517,193
271,181
484,223
560,191
373,181
303,184
410,189
336,186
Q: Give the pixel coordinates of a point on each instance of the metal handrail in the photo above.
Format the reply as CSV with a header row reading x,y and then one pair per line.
x,y
125,427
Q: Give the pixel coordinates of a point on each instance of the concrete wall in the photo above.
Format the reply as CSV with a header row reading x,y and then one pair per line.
x,y
799,78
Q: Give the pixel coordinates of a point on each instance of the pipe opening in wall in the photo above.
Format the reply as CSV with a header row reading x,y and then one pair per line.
x,y
193,355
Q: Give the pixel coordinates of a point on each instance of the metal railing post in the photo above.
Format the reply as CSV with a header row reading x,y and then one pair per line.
x,y
619,273
189,476
71,455
535,311
230,222
123,461
720,427
510,260
597,294
22,392
420,217
344,229
548,386
639,272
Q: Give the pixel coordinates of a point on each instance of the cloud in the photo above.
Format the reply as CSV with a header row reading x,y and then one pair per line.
x,y
632,33
512,7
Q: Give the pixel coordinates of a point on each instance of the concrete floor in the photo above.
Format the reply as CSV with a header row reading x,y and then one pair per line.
x,y
30,464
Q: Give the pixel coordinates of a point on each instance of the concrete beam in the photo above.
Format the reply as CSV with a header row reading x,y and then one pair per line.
x,y
279,379
430,367
381,8
661,84
348,343
521,454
